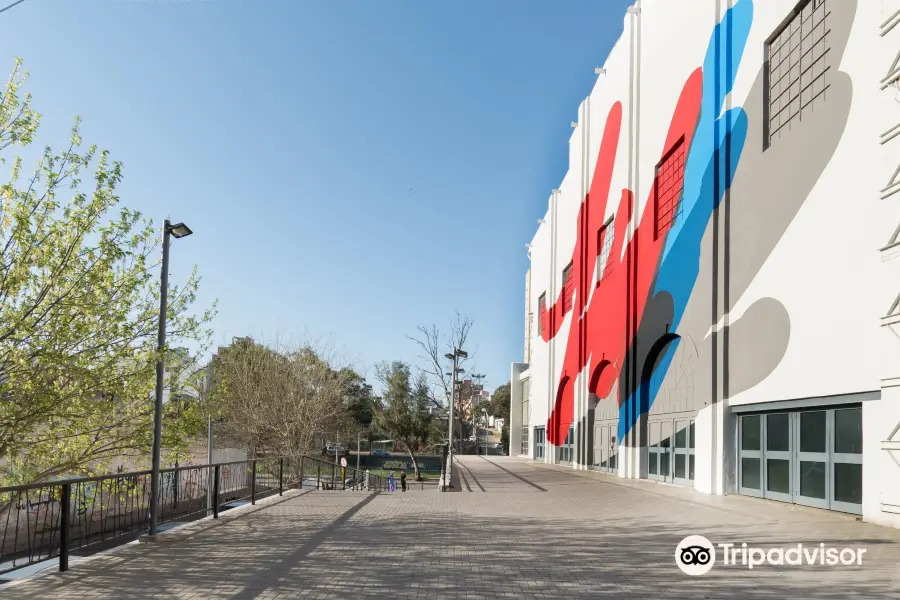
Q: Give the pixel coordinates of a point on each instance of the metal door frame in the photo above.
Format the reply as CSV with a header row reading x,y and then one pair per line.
x,y
601,438
801,457
755,454
787,455
609,448
794,457
653,451
542,444
659,450
845,458
687,451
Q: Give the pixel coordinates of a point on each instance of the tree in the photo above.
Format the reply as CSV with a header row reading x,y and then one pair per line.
x,y
436,367
405,415
499,405
359,400
275,401
79,305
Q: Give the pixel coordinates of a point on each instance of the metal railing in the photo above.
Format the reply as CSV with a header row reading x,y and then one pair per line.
x,y
44,520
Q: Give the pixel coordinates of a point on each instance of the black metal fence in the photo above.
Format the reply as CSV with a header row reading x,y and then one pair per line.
x,y
41,521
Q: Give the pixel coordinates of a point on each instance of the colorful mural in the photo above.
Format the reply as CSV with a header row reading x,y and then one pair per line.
x,y
660,263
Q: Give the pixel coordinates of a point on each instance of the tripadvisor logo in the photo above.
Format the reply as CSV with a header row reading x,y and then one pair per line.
x,y
696,555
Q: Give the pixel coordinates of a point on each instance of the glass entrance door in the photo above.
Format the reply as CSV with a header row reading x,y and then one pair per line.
x,y
750,464
810,466
777,436
566,452
605,449
683,452
660,451
538,443
806,457
846,473
670,452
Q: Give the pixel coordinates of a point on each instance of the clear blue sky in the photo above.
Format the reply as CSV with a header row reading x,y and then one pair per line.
x,y
351,169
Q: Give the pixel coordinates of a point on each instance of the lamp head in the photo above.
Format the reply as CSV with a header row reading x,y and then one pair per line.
x,y
180,230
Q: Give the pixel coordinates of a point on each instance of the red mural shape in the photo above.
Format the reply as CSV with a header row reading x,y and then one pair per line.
x,y
599,335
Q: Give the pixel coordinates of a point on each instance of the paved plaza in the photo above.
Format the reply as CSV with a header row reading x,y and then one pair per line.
x,y
513,529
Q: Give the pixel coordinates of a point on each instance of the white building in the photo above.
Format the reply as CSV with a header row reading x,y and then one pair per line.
x,y
716,281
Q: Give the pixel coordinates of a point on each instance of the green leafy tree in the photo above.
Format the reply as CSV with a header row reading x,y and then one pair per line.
x,y
405,414
499,404
358,398
79,305
499,408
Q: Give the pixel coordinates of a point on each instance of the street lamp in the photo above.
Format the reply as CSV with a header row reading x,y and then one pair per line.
x,y
476,389
179,230
454,356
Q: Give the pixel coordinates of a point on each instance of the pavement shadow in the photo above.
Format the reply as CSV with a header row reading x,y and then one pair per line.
x,y
473,546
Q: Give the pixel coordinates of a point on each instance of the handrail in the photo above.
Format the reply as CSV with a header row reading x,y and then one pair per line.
x,y
57,482
42,520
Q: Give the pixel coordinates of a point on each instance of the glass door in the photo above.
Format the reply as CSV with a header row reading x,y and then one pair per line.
x,y
566,451
810,466
777,441
847,468
683,454
606,448
750,463
665,451
613,449
601,448
653,450
538,443
809,457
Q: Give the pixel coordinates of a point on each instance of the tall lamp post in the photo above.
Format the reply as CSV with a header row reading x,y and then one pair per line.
x,y
455,356
476,388
179,230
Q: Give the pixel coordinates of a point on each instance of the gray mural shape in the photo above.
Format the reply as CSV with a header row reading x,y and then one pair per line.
x,y
770,186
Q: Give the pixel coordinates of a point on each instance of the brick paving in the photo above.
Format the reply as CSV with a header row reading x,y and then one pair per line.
x,y
523,531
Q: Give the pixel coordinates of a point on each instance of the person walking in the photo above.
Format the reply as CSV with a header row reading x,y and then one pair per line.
x,y
403,480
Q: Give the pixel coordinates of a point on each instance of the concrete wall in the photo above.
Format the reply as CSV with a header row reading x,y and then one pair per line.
x,y
518,372
768,283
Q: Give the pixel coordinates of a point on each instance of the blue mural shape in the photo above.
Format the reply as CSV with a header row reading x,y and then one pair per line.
x,y
717,135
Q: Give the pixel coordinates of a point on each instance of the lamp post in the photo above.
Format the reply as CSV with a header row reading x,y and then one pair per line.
x,y
455,356
476,388
179,230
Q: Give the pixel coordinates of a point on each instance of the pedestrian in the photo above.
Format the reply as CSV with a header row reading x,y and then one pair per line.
x,y
403,479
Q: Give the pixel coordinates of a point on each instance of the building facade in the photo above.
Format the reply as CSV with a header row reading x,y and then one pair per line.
x,y
716,281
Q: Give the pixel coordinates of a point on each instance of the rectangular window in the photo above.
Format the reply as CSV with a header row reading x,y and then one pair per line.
x,y
568,287
525,445
796,69
526,398
542,312
538,442
604,249
668,186
567,450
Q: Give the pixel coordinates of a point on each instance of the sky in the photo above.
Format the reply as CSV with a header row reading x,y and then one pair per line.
x,y
351,169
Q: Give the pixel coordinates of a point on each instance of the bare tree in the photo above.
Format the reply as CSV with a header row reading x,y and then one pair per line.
x,y
434,344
